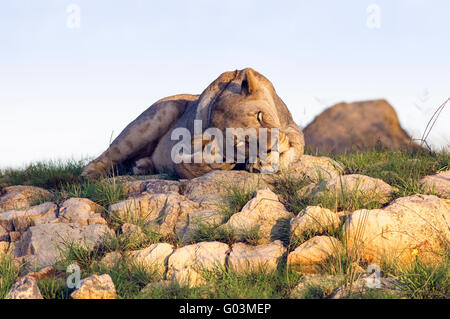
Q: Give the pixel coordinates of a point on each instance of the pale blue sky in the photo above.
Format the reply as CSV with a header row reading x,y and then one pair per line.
x,y
63,91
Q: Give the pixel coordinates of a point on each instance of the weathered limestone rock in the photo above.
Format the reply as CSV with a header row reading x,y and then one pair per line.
x,y
21,220
25,288
218,182
6,248
95,287
314,219
363,185
246,258
186,264
132,233
309,255
155,256
81,211
4,234
263,213
14,236
439,183
196,220
312,168
44,241
110,259
409,226
21,197
168,212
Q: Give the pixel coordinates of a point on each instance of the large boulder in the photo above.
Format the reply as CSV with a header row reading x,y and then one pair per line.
x,y
410,226
44,243
438,183
187,264
95,287
246,258
263,214
21,197
356,126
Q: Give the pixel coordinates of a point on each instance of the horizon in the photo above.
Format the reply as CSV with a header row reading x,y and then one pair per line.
x,y
75,73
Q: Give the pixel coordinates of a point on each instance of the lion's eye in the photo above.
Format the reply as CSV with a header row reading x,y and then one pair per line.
x,y
260,117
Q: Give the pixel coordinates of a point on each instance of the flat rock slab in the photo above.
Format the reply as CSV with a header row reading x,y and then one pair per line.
x,y
314,219
81,211
21,220
43,242
154,257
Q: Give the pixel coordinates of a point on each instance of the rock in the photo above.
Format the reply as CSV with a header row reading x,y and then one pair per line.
x,y
361,287
406,227
186,264
218,183
155,256
316,286
81,211
132,232
95,287
361,185
110,259
14,236
21,220
21,197
198,219
347,127
4,234
44,241
263,213
311,254
312,168
439,183
314,219
6,248
25,288
246,258
168,213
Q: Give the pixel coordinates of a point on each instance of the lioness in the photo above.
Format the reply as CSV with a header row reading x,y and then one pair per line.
x,y
240,99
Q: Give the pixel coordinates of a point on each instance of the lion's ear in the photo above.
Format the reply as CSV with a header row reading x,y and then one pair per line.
x,y
250,85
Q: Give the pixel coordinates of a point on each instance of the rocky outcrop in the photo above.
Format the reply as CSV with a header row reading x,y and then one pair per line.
x,y
95,287
347,127
407,227
263,214
153,257
21,220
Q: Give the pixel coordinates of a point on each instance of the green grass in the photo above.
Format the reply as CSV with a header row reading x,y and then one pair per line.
x,y
400,169
8,275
